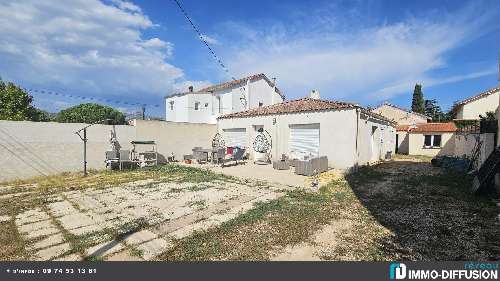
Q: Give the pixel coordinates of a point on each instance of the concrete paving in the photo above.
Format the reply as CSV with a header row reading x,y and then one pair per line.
x,y
252,171
136,220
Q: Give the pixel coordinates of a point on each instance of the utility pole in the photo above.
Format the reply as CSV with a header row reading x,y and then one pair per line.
x,y
143,110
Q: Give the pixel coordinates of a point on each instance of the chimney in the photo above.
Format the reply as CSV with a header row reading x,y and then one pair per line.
x,y
190,88
314,94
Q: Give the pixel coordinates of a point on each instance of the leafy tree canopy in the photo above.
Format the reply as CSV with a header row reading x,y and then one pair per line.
x,y
90,113
15,104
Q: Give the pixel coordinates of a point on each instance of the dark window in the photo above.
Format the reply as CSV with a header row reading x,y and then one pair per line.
x,y
196,106
260,104
436,141
427,140
172,105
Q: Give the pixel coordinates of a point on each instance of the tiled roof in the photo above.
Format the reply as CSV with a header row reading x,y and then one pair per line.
x,y
233,83
479,96
434,127
404,109
300,105
402,128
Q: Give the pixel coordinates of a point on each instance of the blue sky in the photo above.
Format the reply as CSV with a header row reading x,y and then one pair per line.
x,y
366,52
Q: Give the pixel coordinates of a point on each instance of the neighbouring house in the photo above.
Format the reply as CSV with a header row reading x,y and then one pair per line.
x,y
400,115
471,108
348,134
430,139
498,120
205,105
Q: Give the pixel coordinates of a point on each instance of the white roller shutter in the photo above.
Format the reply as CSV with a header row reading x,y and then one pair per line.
x,y
304,140
235,137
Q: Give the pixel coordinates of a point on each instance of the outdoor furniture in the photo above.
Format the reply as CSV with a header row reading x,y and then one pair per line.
x,y
220,154
147,158
281,165
312,166
236,156
112,159
124,157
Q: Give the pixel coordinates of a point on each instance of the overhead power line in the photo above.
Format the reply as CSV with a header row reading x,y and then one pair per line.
x,y
202,38
89,98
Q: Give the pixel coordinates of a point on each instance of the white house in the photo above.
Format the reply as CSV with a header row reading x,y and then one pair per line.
x,y
346,133
471,108
205,105
400,115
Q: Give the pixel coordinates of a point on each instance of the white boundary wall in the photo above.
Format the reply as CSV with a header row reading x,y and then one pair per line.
x,y
31,149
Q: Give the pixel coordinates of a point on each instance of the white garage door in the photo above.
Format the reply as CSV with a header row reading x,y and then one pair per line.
x,y
235,137
304,140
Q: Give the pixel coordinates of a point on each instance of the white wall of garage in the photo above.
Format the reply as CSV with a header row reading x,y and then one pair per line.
x,y
338,138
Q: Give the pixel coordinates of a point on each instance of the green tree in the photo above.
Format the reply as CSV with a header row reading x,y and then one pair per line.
x,y
433,110
90,113
15,104
417,104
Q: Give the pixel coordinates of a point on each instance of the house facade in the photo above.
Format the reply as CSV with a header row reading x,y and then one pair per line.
x,y
346,133
430,139
400,115
205,105
471,108
404,118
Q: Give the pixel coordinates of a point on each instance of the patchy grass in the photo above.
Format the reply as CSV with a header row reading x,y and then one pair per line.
x,y
40,189
288,220
431,214
104,178
396,210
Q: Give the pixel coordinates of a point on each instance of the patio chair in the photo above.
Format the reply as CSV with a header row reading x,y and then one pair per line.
x,y
220,155
124,157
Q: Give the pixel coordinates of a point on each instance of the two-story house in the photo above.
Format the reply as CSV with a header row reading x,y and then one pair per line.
x,y
471,108
205,105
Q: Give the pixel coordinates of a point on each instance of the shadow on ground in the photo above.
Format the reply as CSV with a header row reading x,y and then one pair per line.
x,y
430,212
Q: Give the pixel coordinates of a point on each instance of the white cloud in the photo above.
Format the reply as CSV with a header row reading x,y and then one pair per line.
x,y
353,63
84,47
210,40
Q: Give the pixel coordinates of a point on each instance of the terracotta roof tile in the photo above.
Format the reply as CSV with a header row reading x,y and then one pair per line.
x,y
300,105
401,128
434,127
479,96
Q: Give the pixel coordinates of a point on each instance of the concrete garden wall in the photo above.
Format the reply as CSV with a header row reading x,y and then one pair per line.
x,y
30,149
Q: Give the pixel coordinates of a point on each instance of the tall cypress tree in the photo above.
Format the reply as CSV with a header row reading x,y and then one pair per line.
x,y
418,104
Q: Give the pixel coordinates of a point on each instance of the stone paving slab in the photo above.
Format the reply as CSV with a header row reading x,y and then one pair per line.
x,y
139,237
153,248
71,257
25,228
42,232
49,241
86,229
52,252
104,249
75,220
62,208
31,216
